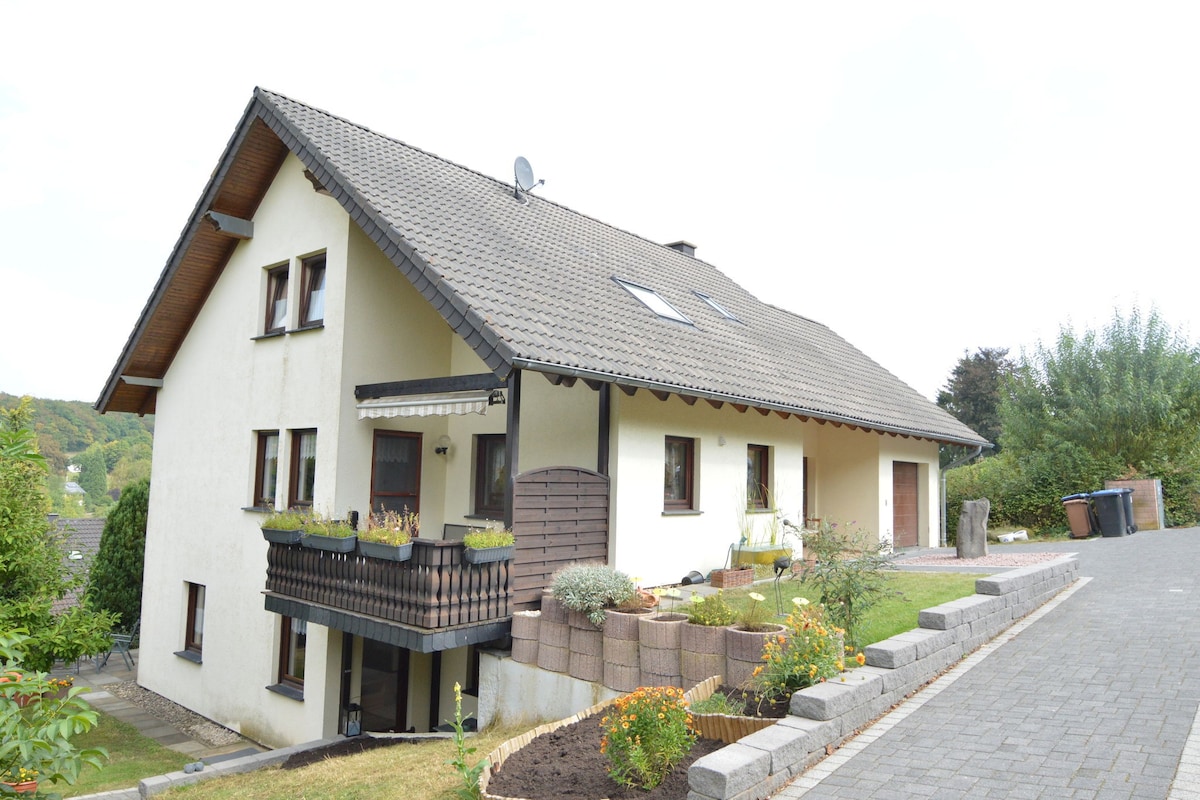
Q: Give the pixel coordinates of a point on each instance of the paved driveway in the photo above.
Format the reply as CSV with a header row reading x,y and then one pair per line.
x,y
1096,699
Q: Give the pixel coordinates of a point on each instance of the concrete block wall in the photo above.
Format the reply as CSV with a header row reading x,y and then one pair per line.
x,y
827,714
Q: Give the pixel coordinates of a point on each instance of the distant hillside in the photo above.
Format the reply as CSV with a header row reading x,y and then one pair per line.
x,y
68,427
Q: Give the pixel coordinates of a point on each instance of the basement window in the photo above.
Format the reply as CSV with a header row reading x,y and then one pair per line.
x,y
653,301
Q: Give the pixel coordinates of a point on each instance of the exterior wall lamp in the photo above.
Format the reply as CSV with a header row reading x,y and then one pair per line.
x,y
443,445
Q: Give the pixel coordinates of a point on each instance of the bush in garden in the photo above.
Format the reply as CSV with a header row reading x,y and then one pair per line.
x,y
849,574
646,734
810,652
711,610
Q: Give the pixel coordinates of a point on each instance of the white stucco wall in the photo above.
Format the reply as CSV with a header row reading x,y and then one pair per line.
x,y
659,547
222,387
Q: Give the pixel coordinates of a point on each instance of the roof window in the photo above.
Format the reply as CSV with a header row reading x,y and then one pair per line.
x,y
720,308
653,301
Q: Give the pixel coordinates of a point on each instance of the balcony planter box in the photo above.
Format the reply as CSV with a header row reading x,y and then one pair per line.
x,y
729,578
488,554
281,536
333,544
385,552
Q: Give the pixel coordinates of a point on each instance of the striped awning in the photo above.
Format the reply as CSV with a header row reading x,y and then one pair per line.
x,y
425,405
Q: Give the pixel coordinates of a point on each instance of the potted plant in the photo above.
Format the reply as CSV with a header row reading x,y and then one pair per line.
x,y
283,527
333,535
37,735
745,638
590,589
388,535
484,545
739,575
702,637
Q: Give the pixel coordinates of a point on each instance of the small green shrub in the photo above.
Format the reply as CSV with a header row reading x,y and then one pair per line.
x,y
756,616
290,520
711,610
591,588
849,574
646,734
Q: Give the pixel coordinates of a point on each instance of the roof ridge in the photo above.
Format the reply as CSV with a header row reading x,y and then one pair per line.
x,y
277,95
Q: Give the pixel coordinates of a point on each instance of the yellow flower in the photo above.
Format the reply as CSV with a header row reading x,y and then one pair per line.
x,y
861,659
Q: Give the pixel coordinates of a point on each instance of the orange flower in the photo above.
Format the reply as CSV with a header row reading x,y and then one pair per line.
x,y
861,659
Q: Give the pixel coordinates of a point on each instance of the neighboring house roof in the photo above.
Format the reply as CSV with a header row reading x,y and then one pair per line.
x,y
527,283
80,536
71,487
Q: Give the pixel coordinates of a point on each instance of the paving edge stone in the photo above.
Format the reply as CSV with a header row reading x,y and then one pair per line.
x,y
157,784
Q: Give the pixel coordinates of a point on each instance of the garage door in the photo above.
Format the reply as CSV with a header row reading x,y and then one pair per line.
x,y
904,504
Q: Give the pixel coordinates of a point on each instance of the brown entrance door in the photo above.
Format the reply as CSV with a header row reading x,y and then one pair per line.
x,y
904,504
384,687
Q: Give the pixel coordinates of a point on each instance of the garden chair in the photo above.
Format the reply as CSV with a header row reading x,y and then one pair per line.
x,y
119,643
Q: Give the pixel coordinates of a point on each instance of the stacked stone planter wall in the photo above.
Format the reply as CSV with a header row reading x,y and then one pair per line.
x,y
526,626
587,648
658,640
825,715
622,663
554,636
702,652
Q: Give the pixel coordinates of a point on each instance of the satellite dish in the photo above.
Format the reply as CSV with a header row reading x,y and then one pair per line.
x,y
523,177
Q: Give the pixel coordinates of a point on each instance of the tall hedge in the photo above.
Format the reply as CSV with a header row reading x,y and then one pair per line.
x,y
116,577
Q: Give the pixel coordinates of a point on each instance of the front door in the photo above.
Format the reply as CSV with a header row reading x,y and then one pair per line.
x,y
384,687
904,504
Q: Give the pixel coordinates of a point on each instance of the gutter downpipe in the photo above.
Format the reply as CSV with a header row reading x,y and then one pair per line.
x,y
956,463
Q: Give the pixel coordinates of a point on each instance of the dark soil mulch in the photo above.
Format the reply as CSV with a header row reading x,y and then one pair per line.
x,y
567,764
347,747
753,707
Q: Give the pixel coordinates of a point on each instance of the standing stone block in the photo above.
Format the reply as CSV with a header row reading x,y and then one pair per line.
x,y
972,528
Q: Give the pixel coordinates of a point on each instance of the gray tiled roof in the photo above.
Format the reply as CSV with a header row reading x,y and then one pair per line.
x,y
81,534
530,284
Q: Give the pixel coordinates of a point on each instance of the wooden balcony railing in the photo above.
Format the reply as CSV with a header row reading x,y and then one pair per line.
x,y
435,589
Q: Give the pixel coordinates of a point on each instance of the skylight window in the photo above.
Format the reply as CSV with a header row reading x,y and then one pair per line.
x,y
720,308
653,301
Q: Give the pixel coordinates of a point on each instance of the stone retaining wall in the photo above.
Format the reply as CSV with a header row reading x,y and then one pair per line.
x,y
827,714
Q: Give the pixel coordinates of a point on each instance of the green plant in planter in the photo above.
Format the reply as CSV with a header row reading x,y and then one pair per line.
x,y
316,524
810,652
36,728
289,520
483,538
718,703
712,610
756,616
591,588
391,527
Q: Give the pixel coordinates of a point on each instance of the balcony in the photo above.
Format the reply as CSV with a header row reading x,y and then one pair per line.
x,y
435,601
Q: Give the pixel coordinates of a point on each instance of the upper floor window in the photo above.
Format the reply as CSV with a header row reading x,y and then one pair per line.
x,y
312,303
266,469
277,293
396,472
758,476
491,475
679,476
304,468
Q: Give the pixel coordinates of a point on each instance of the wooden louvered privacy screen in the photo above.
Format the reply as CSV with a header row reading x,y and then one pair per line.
x,y
560,515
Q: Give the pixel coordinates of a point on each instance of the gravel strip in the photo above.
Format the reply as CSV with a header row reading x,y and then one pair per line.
x,y
991,560
188,722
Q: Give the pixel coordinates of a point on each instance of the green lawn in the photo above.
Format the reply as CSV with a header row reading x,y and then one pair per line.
x,y
909,593
131,758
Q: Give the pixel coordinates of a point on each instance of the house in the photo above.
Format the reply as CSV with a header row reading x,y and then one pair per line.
x,y
79,540
348,322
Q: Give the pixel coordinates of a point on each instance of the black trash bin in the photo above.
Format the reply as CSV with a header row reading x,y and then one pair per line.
x,y
1110,510
1127,504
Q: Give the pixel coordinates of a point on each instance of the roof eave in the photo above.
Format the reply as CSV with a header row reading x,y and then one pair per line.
x,y
534,365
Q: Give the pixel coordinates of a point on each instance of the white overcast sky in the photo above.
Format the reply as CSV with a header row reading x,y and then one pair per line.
x,y
925,178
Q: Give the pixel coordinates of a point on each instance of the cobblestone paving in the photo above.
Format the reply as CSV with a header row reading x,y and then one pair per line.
x,y
1094,700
